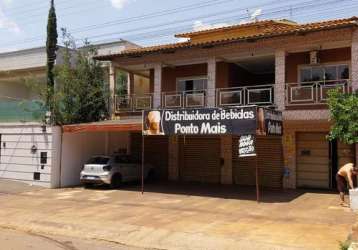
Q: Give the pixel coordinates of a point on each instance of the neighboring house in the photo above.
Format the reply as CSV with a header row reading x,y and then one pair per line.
x,y
276,63
30,151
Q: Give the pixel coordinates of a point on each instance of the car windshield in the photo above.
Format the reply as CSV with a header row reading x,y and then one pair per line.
x,y
98,160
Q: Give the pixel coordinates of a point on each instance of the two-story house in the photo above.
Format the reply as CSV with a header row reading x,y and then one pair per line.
x,y
279,64
29,150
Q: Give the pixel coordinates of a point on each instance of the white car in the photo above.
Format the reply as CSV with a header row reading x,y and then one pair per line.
x,y
114,170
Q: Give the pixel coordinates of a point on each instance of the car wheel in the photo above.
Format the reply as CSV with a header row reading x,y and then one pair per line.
x,y
116,181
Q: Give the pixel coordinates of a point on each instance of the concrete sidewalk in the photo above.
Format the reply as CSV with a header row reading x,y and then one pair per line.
x,y
179,219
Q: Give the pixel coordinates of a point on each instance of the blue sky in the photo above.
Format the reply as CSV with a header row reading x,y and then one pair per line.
x,y
146,22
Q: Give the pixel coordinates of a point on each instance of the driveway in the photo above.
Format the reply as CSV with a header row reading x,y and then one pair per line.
x,y
178,216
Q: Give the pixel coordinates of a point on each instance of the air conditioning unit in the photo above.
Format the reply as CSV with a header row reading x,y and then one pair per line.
x,y
314,57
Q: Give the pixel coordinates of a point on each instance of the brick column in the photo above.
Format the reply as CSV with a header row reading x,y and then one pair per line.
x,y
280,79
226,155
157,86
112,88
210,99
173,159
354,61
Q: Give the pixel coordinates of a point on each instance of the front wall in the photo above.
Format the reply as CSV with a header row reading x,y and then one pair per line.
x,y
170,74
326,56
18,162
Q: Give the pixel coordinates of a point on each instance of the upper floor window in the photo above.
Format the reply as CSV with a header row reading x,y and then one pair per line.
x,y
324,73
191,84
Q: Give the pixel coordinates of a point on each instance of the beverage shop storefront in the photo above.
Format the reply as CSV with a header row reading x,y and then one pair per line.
x,y
240,145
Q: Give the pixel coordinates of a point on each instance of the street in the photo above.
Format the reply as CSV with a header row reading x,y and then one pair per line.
x,y
16,240
170,216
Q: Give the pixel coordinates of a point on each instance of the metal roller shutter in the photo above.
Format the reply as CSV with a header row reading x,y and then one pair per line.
x,y
269,159
312,160
200,159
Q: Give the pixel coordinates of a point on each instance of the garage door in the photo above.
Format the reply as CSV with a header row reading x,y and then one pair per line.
x,y
269,159
312,160
200,159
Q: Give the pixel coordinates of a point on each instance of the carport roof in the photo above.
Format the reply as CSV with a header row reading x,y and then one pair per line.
x,y
123,125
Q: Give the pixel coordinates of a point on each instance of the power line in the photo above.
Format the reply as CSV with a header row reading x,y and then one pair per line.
x,y
155,14
157,33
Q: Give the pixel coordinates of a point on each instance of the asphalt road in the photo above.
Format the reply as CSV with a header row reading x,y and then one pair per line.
x,y
15,240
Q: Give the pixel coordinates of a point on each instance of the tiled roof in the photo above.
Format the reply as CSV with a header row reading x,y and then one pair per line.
x,y
283,22
268,31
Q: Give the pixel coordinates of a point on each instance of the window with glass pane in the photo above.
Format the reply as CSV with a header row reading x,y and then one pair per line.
x,y
343,72
317,74
191,84
330,73
305,75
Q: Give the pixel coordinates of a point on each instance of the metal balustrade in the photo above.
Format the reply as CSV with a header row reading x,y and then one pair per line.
x,y
133,102
184,99
313,93
245,95
235,96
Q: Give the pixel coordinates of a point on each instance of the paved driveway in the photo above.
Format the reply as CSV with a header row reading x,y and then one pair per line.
x,y
171,216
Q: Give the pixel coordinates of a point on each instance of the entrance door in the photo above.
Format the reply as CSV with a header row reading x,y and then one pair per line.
x,y
312,160
200,159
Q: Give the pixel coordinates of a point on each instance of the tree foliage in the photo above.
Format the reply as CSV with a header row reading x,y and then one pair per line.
x,y
344,115
80,95
51,48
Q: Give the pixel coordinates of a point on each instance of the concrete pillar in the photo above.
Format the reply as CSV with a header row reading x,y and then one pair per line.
x,y
173,161
157,86
280,79
211,90
112,88
354,60
226,156
56,155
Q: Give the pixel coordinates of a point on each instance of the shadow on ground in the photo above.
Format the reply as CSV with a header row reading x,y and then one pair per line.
x,y
267,195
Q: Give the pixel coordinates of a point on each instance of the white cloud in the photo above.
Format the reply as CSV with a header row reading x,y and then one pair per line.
x,y
7,2
118,4
199,25
7,24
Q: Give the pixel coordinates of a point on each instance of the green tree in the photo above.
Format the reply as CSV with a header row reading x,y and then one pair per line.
x,y
51,48
344,115
81,95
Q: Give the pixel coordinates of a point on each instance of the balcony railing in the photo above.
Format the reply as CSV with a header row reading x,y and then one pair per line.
x,y
133,102
238,96
185,99
247,95
20,111
313,93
